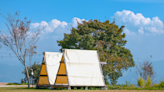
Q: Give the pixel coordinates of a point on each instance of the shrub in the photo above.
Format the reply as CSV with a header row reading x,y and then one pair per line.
x,y
148,83
24,84
82,88
141,82
9,84
14,84
92,88
128,84
132,85
58,88
75,88
156,85
97,88
161,84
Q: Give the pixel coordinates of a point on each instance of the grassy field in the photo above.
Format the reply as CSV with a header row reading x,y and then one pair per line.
x,y
23,89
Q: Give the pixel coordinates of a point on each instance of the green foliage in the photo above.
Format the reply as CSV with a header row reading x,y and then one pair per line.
x,y
141,82
36,71
64,88
114,77
106,81
17,84
75,88
156,85
9,84
146,69
58,88
161,84
148,83
82,88
94,88
128,84
105,37
122,87
24,83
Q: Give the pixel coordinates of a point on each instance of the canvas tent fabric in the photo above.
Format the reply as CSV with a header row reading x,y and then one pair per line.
x,y
52,62
83,68
72,67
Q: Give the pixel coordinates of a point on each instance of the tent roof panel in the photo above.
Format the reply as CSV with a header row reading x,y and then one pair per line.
x,y
52,62
83,67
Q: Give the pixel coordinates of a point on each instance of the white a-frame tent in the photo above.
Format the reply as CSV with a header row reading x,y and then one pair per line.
x,y
72,68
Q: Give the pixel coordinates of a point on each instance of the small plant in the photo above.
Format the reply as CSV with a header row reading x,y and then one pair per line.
x,y
82,88
92,88
98,88
9,84
64,88
75,88
141,82
58,88
128,84
148,83
132,85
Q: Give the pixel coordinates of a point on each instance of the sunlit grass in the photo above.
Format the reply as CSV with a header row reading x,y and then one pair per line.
x,y
25,89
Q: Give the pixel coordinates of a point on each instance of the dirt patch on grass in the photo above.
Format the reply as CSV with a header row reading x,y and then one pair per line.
x,y
3,83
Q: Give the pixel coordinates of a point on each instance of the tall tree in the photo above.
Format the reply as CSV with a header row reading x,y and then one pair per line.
x,y
105,37
19,39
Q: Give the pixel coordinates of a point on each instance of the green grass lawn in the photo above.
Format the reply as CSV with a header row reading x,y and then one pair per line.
x,y
25,89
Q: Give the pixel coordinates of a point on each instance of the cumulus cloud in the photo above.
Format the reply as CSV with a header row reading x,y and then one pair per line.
x,y
56,25
56,28
138,23
141,30
128,32
49,27
76,20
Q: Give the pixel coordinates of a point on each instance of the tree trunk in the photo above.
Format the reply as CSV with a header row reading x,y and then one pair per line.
x,y
27,75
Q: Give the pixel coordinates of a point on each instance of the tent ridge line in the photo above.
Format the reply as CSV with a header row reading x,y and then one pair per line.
x,y
46,67
78,49
101,69
57,75
66,69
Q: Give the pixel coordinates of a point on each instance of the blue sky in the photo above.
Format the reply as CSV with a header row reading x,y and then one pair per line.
x,y
143,20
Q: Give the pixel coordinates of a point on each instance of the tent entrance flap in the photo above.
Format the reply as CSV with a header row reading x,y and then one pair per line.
x,y
61,75
43,78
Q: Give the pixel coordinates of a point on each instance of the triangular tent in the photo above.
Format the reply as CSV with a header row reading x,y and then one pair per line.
x,y
51,62
73,68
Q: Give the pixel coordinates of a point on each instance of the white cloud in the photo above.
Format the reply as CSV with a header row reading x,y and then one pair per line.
x,y
76,20
49,27
139,23
56,25
128,32
55,28
141,30
34,25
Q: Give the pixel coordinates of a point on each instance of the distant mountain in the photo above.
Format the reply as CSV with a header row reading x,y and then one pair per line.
x,y
9,73
13,73
159,69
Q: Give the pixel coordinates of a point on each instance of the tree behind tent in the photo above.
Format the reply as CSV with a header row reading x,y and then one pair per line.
x,y
105,37
36,71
